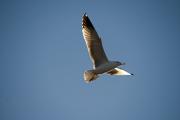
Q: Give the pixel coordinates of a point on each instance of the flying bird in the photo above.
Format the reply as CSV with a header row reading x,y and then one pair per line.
x,y
101,64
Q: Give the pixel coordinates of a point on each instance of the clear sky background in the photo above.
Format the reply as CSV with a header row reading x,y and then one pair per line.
x,y
43,57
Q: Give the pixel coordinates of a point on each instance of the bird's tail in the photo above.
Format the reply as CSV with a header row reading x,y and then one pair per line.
x,y
89,76
118,71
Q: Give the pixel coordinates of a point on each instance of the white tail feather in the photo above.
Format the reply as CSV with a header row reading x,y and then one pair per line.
x,y
89,76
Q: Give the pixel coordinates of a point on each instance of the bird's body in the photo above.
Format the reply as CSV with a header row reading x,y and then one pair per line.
x,y
101,64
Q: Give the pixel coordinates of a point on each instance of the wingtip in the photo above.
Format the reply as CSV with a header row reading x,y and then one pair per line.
x,y
86,22
85,14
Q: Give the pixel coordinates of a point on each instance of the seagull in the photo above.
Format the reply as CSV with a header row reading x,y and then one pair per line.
x,y
101,64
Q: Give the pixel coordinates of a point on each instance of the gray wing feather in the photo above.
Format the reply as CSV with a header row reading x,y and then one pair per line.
x,y
93,43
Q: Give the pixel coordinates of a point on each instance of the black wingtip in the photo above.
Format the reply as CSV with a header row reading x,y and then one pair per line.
x,y
85,14
86,22
132,74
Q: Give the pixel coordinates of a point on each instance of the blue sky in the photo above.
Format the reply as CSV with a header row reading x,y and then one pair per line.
x,y
43,57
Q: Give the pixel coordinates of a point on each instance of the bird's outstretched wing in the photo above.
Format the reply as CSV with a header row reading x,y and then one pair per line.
x,y
93,43
118,71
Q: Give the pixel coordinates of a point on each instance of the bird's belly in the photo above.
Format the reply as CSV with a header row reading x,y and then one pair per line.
x,y
104,68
